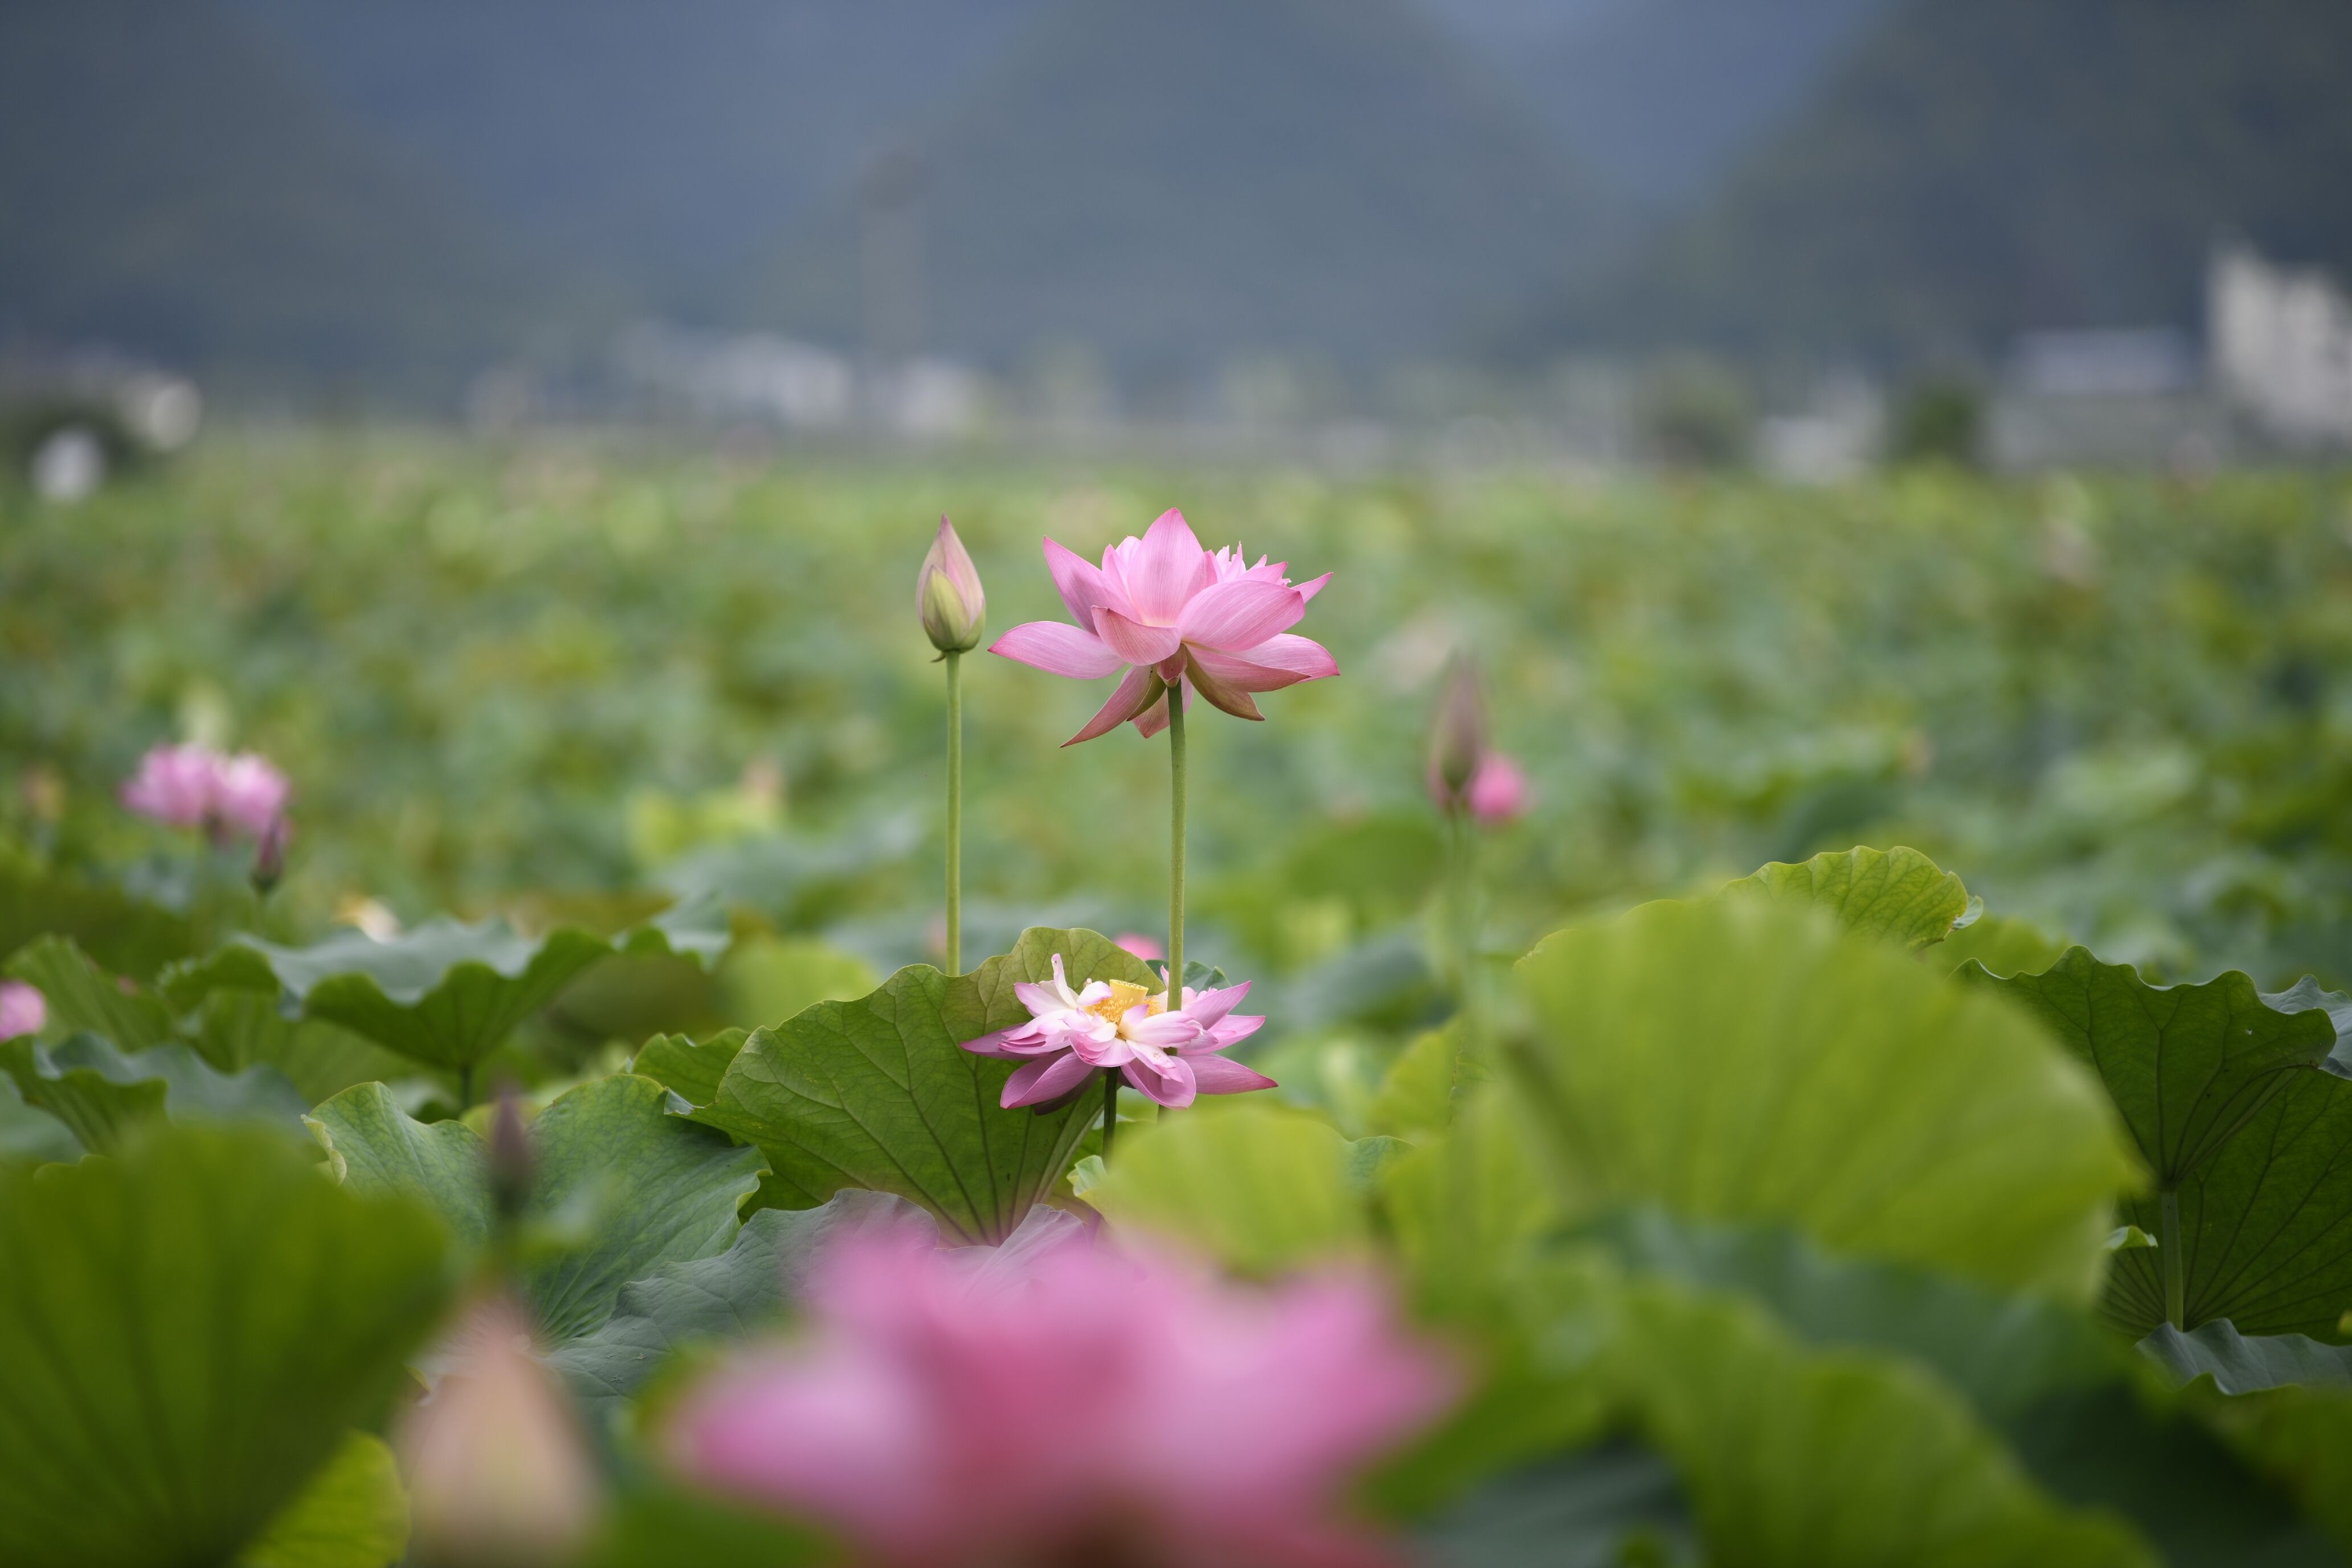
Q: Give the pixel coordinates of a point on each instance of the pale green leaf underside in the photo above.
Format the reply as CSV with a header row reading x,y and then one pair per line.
x,y
1742,1059
2242,1364
877,1093
1898,894
1257,1187
620,1185
353,1514
186,1332
104,1096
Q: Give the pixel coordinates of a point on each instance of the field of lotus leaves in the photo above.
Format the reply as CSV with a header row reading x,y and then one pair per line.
x,y
1710,1024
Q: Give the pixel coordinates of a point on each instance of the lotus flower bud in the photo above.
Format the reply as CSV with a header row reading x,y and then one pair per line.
x,y
512,1165
23,1010
499,1473
1457,742
270,856
1499,793
948,596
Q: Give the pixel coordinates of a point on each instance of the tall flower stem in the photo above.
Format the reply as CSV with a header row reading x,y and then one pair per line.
x,y
955,811
1462,935
1176,846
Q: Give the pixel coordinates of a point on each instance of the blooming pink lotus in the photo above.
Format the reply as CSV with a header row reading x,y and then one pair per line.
x,y
953,1408
23,1009
1175,616
1169,1055
196,786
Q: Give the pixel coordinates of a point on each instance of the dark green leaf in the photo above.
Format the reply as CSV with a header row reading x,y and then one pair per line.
x,y
877,1093
1742,1059
1608,1508
126,935
2238,1363
186,1332
665,1528
28,1135
2232,1109
103,1095
1898,894
630,1187
726,1296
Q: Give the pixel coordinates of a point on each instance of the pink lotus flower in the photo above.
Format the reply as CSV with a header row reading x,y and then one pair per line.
x,y
1142,946
1169,1055
196,786
23,1010
953,1408
1174,616
1499,791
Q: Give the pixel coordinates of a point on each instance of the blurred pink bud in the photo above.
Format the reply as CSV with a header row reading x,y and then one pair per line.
x,y
1142,946
976,1406
947,595
23,1010
173,785
1499,792
497,1472
1457,738
270,855
249,795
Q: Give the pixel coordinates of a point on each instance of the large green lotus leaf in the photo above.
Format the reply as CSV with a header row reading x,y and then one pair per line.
x,y
104,1096
1259,1187
1615,1504
621,1186
126,935
1742,1059
689,1069
30,1136
186,1332
2301,1437
1799,1458
1898,894
2228,1100
83,998
444,992
744,1289
2003,1351
235,1029
2242,1364
878,1093
2004,945
353,1514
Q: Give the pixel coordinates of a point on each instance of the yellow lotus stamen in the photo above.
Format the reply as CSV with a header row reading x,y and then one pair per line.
x,y
1124,995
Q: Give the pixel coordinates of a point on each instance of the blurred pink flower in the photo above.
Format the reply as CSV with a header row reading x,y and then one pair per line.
x,y
1142,946
23,1010
194,787
1172,614
173,785
1170,1056
948,1410
1498,792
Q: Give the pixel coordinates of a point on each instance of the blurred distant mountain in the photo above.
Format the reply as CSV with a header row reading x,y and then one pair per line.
x,y
658,140
169,187
1171,181
1976,168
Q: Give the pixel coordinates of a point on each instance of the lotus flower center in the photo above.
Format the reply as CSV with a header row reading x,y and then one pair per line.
x,y
1124,995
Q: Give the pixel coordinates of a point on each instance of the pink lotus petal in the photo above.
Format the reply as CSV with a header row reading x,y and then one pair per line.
x,y
1059,649
1208,1007
1167,570
1133,695
1224,697
249,793
1042,1081
1162,1031
1080,583
1163,1080
1230,1031
1134,642
1039,999
1279,661
23,1009
1218,1075
1154,719
1312,586
1499,791
1232,617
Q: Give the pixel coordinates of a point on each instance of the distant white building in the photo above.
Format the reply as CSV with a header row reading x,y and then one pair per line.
x,y
2280,341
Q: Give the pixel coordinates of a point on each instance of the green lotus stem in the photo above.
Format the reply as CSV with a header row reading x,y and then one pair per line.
x,y
1110,1109
1176,846
955,812
2176,1269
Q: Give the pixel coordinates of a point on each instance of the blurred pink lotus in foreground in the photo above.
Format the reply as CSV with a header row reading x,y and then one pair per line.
x,y
1079,1406
1176,616
1169,1055
1142,946
194,787
23,1010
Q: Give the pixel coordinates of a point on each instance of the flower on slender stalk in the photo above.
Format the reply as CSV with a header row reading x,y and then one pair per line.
x,y
1465,773
23,1009
1168,1055
196,786
951,1408
949,597
1173,616
498,1474
1498,792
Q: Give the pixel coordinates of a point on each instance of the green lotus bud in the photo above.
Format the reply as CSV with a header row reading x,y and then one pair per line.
x,y
947,595
1457,740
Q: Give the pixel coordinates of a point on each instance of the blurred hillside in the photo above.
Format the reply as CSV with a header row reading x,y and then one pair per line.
x,y
1977,168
